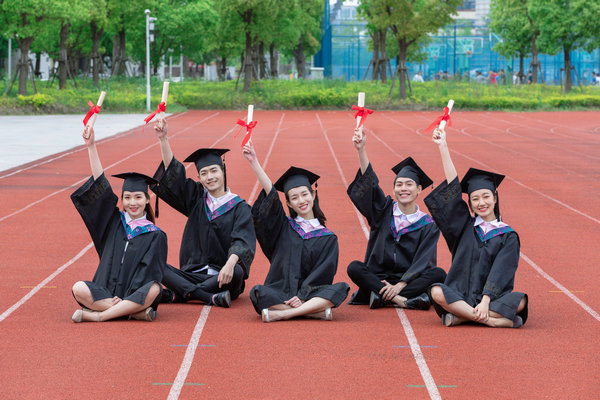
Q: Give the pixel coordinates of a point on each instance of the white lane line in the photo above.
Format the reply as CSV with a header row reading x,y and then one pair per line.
x,y
264,165
576,299
188,358
105,140
45,282
105,169
527,259
430,384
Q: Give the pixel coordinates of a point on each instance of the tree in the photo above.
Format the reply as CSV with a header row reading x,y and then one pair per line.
x,y
566,25
20,19
307,21
410,21
123,17
510,19
378,34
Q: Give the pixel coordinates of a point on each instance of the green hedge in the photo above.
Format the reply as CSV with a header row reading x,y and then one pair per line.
x,y
129,95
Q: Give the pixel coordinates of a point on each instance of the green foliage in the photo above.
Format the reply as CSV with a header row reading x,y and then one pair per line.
x,y
128,95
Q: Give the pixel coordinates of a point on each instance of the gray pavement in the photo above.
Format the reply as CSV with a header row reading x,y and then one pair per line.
x,y
28,138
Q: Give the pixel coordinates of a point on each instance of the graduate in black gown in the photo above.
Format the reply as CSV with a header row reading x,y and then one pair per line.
x,y
303,253
485,250
400,262
218,243
132,250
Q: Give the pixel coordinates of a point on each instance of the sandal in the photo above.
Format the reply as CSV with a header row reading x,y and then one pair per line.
x,y
448,319
149,314
78,315
265,315
325,315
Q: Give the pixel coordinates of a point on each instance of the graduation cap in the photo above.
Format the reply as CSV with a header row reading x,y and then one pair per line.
x,y
408,168
136,182
295,177
476,179
206,156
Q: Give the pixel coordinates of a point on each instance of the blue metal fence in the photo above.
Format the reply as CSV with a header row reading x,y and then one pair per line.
x,y
345,54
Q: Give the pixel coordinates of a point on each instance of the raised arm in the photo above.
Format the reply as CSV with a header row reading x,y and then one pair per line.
x,y
359,144
165,148
439,138
90,140
250,155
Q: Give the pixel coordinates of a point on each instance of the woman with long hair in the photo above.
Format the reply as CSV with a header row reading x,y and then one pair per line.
x,y
485,250
132,250
302,251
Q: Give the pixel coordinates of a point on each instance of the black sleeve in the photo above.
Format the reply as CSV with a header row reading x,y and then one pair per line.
x,y
269,219
175,189
97,205
243,237
449,211
367,196
502,274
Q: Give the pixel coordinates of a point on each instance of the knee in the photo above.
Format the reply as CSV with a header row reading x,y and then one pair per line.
x,y
353,268
80,289
437,295
238,272
154,290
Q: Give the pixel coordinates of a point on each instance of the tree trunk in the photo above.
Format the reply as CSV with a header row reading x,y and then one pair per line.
x,y
300,58
568,80
96,35
119,67
262,62
401,60
383,57
62,56
23,67
38,59
375,59
534,60
248,62
274,60
521,75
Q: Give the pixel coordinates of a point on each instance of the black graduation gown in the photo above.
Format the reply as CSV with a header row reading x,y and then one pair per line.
x,y
125,273
302,264
480,265
207,239
394,256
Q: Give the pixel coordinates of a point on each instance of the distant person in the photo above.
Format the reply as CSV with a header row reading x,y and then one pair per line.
x,y
500,79
132,250
492,77
400,261
303,253
466,76
515,78
438,76
485,250
594,79
529,77
418,77
445,76
218,243
479,78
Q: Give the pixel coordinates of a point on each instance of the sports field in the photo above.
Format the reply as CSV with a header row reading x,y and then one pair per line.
x,y
551,197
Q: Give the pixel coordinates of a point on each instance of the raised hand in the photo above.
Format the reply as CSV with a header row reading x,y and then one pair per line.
x,y
439,136
248,151
359,139
88,135
161,128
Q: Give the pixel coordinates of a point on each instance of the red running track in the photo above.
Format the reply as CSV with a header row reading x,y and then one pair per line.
x,y
551,197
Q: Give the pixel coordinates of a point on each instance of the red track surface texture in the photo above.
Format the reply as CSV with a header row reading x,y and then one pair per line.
x,y
551,197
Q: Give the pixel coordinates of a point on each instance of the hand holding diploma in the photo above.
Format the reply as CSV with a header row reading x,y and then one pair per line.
x,y
442,119
90,118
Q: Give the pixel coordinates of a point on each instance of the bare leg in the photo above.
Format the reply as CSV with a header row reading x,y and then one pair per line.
x,y
123,308
280,307
82,294
400,301
312,306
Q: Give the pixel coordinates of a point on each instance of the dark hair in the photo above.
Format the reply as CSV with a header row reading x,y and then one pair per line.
x,y
316,208
148,209
496,206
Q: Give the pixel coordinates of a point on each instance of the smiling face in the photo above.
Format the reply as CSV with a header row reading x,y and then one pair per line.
x,y
134,203
301,200
482,203
213,179
406,191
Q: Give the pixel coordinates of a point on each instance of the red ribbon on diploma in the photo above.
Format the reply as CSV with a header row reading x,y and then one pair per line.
x,y
94,109
361,112
248,127
445,117
161,108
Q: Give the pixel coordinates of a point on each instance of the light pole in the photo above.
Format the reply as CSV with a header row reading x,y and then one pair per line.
x,y
149,25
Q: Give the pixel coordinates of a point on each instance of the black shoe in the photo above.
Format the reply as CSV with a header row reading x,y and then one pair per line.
x,y
358,298
419,303
167,296
222,299
375,301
